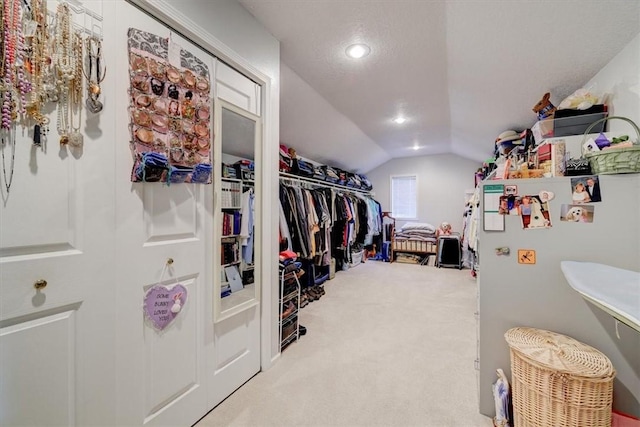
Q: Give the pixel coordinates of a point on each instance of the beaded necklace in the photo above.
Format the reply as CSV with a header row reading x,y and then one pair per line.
x,y
75,99
11,28
2,42
11,18
65,68
40,64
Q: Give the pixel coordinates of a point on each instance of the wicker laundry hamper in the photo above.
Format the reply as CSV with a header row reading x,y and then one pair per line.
x,y
557,381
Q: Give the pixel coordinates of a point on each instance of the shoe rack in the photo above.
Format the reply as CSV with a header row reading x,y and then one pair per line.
x,y
289,306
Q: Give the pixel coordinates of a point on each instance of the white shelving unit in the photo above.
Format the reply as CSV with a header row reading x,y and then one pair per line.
x,y
289,297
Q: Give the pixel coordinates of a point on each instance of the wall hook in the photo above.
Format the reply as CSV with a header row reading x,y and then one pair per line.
x,y
169,261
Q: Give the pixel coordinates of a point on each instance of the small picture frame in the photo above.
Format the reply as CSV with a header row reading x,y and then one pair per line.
x,y
585,189
577,213
534,213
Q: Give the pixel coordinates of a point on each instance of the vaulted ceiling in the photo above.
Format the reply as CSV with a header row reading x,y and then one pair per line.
x,y
460,72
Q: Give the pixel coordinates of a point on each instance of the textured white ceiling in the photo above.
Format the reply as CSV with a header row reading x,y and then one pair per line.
x,y
460,71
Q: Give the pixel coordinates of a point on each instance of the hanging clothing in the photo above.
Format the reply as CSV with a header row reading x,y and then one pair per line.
x,y
246,226
285,235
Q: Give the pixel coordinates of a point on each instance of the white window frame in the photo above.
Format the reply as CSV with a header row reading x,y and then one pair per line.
x,y
394,211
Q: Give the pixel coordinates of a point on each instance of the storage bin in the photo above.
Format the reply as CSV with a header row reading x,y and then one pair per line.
x,y
356,258
542,130
557,381
614,160
569,122
575,122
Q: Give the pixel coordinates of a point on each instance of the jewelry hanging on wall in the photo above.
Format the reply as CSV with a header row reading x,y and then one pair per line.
x,y
5,143
66,68
11,30
75,137
11,33
94,52
39,66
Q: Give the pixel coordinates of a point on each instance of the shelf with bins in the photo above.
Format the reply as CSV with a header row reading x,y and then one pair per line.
x,y
289,307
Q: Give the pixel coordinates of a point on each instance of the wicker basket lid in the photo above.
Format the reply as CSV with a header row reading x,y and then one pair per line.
x,y
560,353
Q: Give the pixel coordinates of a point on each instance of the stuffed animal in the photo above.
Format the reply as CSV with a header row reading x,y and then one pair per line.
x,y
544,108
444,229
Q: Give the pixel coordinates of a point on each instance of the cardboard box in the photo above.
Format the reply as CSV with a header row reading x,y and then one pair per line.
x,y
542,130
552,155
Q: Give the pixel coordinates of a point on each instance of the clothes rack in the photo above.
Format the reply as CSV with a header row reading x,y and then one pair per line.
x,y
306,182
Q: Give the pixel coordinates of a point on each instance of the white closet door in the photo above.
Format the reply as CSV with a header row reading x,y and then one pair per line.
x,y
161,374
237,89
57,361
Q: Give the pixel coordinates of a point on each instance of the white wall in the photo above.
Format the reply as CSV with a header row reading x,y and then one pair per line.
x,y
620,79
329,134
543,299
442,182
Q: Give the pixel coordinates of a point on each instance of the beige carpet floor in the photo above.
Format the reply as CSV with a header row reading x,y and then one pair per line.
x,y
388,345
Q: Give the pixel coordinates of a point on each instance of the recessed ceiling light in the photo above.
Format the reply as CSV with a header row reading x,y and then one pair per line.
x,y
416,147
358,51
400,120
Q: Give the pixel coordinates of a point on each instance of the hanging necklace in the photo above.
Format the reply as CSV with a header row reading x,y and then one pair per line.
x,y
75,137
39,65
7,182
10,20
11,14
94,52
65,67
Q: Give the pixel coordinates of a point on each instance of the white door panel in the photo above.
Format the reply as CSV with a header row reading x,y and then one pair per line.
x,y
36,349
237,89
168,378
235,358
161,374
50,208
170,213
57,225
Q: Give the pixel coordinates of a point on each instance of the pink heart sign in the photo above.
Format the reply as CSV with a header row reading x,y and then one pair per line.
x,y
162,304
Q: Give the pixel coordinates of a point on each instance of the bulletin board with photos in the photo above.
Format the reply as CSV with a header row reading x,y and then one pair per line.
x,y
535,210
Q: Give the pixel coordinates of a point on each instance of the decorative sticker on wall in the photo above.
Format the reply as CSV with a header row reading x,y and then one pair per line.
x,y
162,304
526,256
170,112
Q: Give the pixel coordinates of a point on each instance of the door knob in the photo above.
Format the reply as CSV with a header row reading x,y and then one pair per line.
x,y
40,284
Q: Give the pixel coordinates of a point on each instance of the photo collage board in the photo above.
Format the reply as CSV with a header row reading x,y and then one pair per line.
x,y
170,112
533,209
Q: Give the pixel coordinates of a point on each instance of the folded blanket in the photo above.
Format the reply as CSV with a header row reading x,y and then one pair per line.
x,y
405,236
418,226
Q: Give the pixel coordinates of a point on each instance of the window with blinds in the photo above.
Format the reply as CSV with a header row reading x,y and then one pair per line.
x,y
404,197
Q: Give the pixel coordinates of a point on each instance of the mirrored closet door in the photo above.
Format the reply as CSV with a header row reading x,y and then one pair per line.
x,y
236,287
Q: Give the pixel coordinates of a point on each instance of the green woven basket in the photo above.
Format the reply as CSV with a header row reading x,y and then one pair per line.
x,y
614,160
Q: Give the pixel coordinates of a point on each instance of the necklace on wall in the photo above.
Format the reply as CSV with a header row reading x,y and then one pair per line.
x,y
39,66
94,52
10,31
11,19
10,140
75,99
65,68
